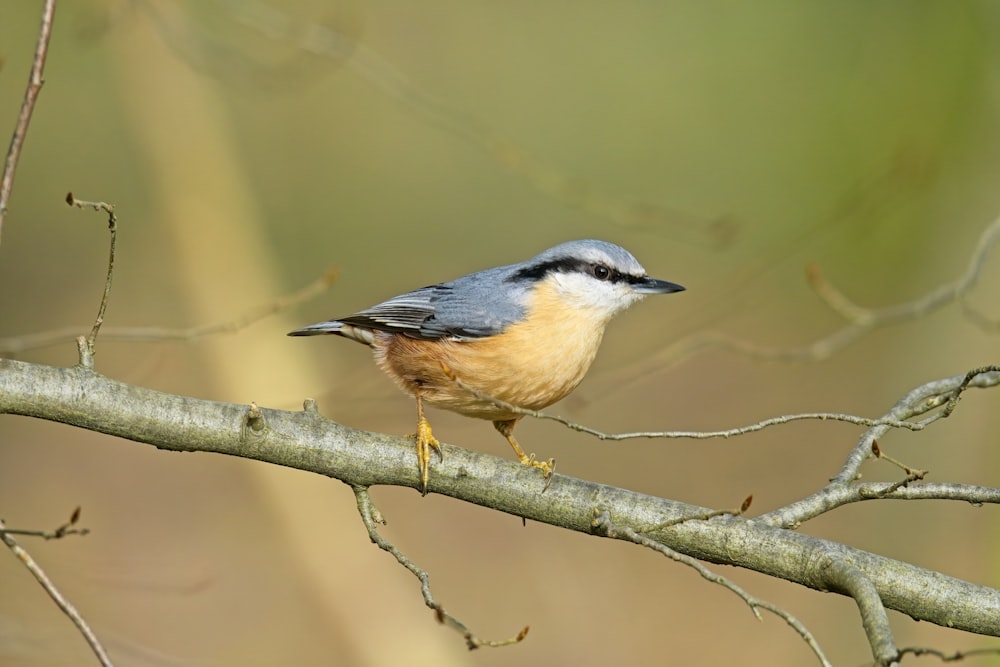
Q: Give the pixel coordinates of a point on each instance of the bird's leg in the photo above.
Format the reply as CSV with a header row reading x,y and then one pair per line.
x,y
425,442
506,428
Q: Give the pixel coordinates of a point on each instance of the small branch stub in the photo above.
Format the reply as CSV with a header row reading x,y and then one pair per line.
x,y
255,419
87,359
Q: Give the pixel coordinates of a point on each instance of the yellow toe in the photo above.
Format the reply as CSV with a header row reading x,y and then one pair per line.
x,y
425,443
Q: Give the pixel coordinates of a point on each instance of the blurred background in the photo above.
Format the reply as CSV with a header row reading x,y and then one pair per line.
x,y
250,146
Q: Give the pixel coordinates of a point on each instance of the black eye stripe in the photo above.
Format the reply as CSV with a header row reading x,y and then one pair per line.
x,y
571,265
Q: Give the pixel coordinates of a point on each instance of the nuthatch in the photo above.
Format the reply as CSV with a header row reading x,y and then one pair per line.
x,y
523,334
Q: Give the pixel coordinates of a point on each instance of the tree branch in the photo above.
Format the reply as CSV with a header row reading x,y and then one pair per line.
x,y
304,440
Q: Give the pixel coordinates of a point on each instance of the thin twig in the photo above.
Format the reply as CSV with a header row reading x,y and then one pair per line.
x,y
372,518
969,377
691,435
603,525
88,358
35,82
65,605
935,397
57,534
957,656
18,344
912,474
703,516
926,398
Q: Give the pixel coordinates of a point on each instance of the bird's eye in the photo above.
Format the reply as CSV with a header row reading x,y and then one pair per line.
x,y
601,272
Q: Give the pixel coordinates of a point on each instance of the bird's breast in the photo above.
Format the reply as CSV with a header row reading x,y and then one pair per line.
x,y
532,363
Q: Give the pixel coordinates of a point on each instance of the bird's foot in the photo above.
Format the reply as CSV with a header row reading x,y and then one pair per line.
x,y
547,467
425,443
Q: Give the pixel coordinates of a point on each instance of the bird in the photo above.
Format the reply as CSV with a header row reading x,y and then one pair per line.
x,y
497,342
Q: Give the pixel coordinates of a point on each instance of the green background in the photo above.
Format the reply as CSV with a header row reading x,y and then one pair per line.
x,y
250,146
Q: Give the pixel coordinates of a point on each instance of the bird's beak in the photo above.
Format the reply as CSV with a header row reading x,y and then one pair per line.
x,y
653,286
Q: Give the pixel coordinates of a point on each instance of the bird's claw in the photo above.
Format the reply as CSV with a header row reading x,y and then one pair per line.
x,y
548,468
425,443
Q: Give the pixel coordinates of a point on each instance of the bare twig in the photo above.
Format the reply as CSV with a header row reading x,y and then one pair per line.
x,y
933,397
603,525
18,344
65,605
57,534
974,374
87,359
690,435
372,518
912,474
906,490
946,395
925,399
703,516
35,81
957,656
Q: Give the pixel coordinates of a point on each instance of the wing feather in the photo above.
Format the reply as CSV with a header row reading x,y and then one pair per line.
x,y
474,306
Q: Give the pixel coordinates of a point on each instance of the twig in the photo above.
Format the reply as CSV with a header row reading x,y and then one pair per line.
x,y
691,435
948,657
969,377
87,356
912,474
35,81
18,344
949,397
933,397
65,605
372,518
903,490
703,516
602,525
57,534
924,399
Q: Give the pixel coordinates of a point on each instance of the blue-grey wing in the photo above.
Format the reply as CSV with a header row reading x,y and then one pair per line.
x,y
406,313
474,306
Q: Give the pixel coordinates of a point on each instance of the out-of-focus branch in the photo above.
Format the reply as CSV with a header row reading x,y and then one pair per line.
x,y
859,320
207,50
27,108
19,344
